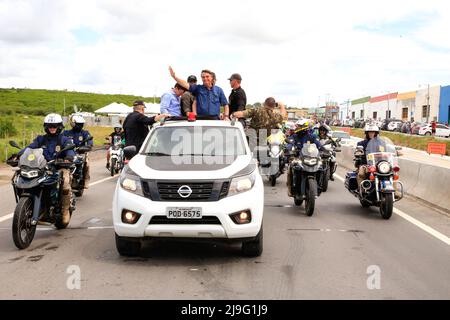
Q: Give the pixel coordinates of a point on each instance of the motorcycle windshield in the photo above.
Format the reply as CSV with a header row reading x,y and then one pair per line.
x,y
33,158
276,138
380,144
310,150
117,140
374,158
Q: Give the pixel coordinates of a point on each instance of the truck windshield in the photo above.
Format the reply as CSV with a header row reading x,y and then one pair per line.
x,y
195,141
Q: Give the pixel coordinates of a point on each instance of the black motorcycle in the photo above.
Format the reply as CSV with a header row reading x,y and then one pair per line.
x,y
381,188
305,168
38,192
328,157
78,170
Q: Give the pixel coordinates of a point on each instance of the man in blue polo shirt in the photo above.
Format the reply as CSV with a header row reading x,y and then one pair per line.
x,y
170,101
209,96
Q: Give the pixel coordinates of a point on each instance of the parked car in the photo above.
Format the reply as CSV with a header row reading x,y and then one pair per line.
x,y
394,125
346,140
415,127
441,130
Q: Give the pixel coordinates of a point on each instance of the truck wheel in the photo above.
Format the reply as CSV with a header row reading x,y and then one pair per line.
x,y
128,248
253,248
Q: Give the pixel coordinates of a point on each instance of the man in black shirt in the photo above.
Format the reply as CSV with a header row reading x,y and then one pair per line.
x,y
187,99
136,125
237,99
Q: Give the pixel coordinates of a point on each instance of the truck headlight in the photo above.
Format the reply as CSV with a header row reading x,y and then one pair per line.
x,y
131,182
242,184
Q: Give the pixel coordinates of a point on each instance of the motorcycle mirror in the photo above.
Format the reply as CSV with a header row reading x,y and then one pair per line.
x,y
14,144
129,152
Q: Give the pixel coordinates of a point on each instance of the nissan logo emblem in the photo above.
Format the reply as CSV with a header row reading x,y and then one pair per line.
x,y
184,191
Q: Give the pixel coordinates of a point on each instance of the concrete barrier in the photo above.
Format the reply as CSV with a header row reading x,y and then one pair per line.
x,y
424,181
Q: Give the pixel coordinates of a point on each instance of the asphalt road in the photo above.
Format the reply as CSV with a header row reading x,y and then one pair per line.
x,y
330,255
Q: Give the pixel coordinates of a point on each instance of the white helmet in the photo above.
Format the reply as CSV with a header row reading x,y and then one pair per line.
x,y
302,124
76,118
53,120
371,128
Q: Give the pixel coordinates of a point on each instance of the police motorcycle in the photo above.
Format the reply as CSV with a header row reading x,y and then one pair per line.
x,y
37,188
382,187
305,167
78,169
117,156
275,163
328,156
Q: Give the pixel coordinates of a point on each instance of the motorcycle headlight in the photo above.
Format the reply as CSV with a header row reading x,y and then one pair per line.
x,y
131,182
384,167
242,184
310,161
30,174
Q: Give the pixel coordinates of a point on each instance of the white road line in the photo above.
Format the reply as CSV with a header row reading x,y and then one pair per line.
x,y
416,222
7,217
10,215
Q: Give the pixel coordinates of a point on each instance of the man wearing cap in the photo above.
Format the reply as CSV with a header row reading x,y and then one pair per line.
x,y
209,97
187,99
136,125
238,98
170,101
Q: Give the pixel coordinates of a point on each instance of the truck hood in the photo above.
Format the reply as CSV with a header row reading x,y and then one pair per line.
x,y
196,167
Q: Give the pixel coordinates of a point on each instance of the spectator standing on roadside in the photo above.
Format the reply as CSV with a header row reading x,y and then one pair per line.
x,y
209,97
433,128
187,99
170,101
238,98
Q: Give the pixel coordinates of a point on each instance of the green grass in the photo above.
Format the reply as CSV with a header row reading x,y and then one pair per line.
x,y
41,102
28,127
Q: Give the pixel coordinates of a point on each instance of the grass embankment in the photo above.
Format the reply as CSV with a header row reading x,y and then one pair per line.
x,y
41,102
27,128
404,140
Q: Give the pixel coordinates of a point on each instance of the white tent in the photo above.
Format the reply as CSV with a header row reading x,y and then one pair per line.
x,y
115,108
152,108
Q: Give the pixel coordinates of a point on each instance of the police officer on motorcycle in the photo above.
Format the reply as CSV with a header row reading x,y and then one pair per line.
x,y
80,137
117,134
52,143
324,137
301,135
371,131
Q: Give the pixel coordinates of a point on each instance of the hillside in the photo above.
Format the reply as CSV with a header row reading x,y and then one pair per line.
x,y
40,102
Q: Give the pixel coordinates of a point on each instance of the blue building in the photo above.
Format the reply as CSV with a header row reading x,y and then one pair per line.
x,y
444,105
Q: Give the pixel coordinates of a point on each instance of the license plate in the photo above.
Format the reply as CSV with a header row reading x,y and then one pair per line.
x,y
183,213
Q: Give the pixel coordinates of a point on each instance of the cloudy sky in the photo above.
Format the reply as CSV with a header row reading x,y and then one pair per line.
x,y
299,52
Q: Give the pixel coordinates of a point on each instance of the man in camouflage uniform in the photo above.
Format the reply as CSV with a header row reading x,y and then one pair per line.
x,y
263,120
267,117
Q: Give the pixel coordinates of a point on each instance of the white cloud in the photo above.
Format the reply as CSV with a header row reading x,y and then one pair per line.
x,y
295,52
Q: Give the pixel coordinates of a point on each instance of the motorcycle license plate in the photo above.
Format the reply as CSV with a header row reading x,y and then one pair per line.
x,y
184,213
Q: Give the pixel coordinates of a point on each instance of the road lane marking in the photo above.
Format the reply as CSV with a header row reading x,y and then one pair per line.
x,y
10,215
416,222
7,217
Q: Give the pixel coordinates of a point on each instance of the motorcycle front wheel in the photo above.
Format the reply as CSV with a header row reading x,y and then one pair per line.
x,y
325,178
113,167
310,197
273,180
387,205
22,230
